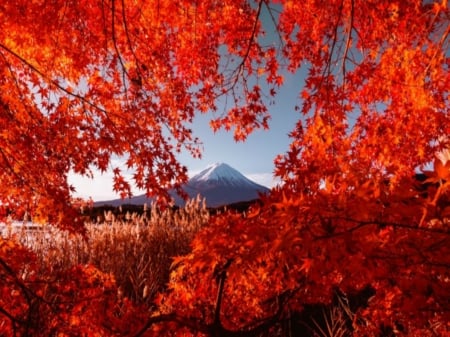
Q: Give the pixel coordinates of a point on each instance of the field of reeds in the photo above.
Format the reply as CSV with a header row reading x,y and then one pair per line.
x,y
137,249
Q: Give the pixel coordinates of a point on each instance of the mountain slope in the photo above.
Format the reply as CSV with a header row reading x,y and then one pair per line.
x,y
219,184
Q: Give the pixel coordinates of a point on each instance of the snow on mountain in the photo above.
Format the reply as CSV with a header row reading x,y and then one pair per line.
x,y
221,174
219,171
219,184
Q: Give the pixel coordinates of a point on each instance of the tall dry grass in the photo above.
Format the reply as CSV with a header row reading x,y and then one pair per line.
x,y
136,249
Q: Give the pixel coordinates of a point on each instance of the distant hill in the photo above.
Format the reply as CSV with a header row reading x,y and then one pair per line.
x,y
219,184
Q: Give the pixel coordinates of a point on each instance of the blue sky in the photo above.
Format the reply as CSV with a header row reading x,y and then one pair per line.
x,y
254,158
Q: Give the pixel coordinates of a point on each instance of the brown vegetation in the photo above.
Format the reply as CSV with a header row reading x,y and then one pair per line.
x,y
136,249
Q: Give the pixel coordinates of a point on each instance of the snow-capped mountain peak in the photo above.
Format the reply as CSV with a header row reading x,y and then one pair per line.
x,y
218,171
219,184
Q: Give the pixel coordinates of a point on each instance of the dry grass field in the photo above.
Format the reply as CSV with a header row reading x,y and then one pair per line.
x,y
137,249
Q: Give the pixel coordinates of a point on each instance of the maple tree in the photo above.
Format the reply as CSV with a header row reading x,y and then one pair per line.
x,y
83,82
78,301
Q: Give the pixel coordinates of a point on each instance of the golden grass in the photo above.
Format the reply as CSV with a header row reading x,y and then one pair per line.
x,y
136,249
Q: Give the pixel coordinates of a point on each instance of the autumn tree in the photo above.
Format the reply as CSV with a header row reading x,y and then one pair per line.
x,y
352,212
83,82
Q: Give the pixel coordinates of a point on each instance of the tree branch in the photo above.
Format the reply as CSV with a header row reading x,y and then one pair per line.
x,y
361,224
50,81
240,68
216,329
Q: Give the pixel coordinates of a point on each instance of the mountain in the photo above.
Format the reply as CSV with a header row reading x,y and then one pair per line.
x,y
219,184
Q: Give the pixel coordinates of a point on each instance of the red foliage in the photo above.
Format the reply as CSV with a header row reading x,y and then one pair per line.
x,y
72,302
82,83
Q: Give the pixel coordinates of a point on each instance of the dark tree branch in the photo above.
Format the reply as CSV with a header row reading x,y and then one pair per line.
x,y
240,68
49,80
360,224
220,275
216,329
